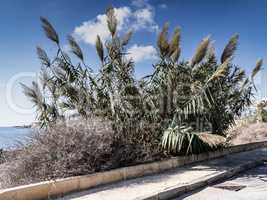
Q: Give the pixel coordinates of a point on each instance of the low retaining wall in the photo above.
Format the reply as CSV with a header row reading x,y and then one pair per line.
x,y
60,187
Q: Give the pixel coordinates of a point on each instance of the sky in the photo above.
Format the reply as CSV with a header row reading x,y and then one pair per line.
x,y
21,33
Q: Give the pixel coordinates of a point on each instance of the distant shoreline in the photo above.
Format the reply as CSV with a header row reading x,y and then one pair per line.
x,y
21,126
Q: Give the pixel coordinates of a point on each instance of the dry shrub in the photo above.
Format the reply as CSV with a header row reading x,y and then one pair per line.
x,y
213,140
136,142
247,133
78,147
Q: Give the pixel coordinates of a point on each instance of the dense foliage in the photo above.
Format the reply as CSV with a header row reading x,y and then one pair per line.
x,y
169,107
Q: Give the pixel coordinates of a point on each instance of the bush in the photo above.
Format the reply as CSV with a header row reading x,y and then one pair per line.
x,y
178,93
262,111
78,147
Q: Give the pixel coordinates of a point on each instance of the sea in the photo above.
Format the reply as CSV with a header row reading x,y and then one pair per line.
x,y
10,137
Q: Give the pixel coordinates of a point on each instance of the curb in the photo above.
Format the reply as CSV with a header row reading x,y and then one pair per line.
x,y
61,187
179,190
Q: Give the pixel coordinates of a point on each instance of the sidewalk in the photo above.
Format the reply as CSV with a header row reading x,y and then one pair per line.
x,y
253,183
180,180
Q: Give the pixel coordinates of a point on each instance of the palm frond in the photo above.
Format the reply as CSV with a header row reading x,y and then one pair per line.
x,y
181,139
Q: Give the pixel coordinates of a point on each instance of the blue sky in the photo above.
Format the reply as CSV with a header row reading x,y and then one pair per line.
x,y
21,32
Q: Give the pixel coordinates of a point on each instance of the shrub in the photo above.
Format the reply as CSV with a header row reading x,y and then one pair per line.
x,y
62,150
177,94
262,111
78,147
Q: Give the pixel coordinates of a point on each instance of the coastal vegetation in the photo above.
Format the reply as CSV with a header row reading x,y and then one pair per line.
x,y
92,121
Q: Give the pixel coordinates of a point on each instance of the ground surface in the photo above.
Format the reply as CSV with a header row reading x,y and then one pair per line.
x,y
140,187
254,182
247,133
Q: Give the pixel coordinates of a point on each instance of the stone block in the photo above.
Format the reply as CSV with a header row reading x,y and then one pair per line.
x,y
64,186
134,171
165,165
90,181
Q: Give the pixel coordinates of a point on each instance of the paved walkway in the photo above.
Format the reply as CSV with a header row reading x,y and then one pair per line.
x,y
141,187
254,183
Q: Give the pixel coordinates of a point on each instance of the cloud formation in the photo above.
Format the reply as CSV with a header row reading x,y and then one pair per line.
x,y
88,31
163,6
140,53
139,19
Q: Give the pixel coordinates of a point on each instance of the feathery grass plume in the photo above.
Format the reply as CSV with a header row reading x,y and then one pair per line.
x,y
33,93
176,54
99,48
240,75
201,51
75,48
230,48
126,38
221,71
111,21
49,30
163,44
211,52
43,57
44,78
257,68
175,41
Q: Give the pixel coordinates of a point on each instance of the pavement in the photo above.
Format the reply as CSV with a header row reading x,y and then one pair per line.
x,y
188,178
253,186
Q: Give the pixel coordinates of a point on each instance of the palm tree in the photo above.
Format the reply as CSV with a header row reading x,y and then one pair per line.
x,y
203,89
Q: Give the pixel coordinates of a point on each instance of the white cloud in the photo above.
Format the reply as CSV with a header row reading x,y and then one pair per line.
x,y
141,53
88,31
163,6
140,3
142,18
145,20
